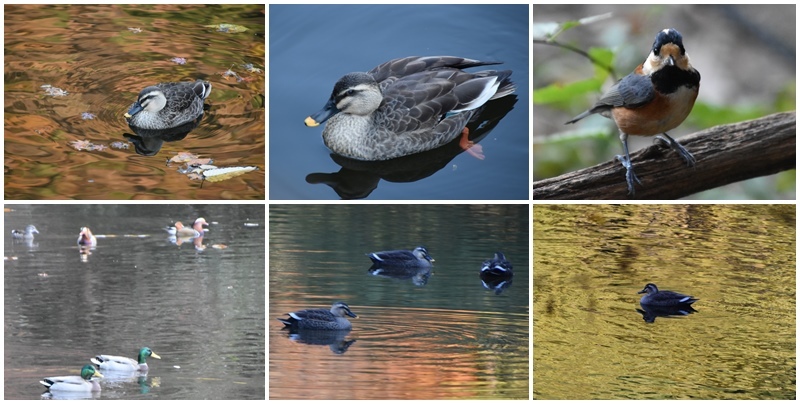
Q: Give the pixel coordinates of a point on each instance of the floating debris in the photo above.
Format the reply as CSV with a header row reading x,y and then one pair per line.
x,y
190,159
180,61
80,145
219,246
221,174
252,69
231,73
227,28
120,145
251,224
88,115
135,30
54,91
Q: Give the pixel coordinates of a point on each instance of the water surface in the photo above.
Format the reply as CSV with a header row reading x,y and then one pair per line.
x,y
444,338
311,47
201,310
103,56
590,260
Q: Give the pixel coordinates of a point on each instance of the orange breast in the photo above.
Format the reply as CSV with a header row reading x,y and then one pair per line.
x,y
662,114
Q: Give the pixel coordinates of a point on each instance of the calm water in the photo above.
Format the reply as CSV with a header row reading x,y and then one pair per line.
x,y
449,338
590,261
202,311
311,47
89,52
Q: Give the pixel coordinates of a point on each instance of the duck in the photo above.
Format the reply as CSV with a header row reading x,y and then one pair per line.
x,y
111,363
168,105
27,234
82,383
406,106
320,319
86,237
654,297
195,231
418,257
498,265
173,230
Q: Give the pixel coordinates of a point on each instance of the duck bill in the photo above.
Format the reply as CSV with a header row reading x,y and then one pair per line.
x,y
133,110
351,314
322,115
641,291
153,355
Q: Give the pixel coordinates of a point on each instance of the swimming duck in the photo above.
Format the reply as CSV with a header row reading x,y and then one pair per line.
x,y
86,237
196,230
320,319
402,258
83,382
173,230
167,105
406,106
113,363
498,265
654,297
27,234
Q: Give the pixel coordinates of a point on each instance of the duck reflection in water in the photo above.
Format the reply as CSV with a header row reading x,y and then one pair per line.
x,y
148,142
497,274
357,178
664,303
334,339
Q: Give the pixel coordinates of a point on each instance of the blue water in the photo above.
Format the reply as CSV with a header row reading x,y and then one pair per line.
x,y
311,47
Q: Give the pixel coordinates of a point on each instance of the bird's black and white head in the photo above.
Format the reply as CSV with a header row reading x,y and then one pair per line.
x,y
151,99
649,288
667,50
341,309
355,93
422,253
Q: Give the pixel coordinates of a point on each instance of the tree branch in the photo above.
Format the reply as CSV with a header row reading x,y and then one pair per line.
x,y
725,154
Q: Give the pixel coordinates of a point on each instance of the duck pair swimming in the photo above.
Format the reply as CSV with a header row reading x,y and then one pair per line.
x,y
109,363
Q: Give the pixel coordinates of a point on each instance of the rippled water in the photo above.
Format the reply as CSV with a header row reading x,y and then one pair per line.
x,y
446,338
590,262
201,310
312,46
94,53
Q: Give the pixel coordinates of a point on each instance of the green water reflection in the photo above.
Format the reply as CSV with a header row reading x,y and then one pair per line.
x,y
589,262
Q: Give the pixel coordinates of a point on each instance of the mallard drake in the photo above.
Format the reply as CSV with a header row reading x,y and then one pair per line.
x,y
402,258
654,297
113,363
80,383
406,106
320,319
27,234
498,265
86,237
167,105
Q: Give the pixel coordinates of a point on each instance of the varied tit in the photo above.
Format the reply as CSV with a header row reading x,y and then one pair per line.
x,y
655,98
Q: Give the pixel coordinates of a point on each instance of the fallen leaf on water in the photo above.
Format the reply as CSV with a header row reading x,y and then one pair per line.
x,y
228,28
219,246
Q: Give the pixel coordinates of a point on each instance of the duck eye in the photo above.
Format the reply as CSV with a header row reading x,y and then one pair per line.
x,y
350,92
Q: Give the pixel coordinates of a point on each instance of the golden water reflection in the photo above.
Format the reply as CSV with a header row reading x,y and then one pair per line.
x,y
589,262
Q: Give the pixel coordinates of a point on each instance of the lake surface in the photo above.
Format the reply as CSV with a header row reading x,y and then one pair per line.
x,y
448,337
102,56
591,343
312,46
201,310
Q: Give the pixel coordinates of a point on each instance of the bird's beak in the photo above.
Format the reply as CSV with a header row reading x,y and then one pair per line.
x,y
670,61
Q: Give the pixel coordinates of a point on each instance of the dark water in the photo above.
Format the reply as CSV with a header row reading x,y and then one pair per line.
x,y
202,311
90,52
311,47
448,338
591,260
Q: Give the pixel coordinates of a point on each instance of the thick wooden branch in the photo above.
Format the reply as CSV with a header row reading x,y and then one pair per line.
x,y
725,154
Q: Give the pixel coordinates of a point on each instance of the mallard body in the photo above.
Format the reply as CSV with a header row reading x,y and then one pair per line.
x,y
498,265
111,363
179,230
26,234
82,383
168,105
320,319
418,257
654,297
406,106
